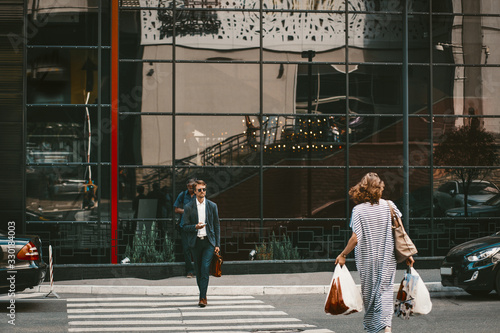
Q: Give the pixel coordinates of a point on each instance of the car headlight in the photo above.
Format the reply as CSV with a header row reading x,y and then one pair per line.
x,y
484,254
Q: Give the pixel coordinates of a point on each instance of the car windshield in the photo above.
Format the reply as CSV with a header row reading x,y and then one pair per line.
x,y
493,201
479,188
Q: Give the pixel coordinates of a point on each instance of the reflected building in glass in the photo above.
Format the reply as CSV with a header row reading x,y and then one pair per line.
x,y
280,106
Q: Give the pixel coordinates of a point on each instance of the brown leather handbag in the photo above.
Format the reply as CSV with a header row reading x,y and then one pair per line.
x,y
403,246
216,265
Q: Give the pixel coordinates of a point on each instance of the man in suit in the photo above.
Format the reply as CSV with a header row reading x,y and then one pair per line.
x,y
201,224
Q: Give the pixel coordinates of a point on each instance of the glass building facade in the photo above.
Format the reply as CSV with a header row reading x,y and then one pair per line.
x,y
280,106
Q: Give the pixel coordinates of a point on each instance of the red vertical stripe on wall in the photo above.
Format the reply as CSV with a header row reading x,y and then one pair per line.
x,y
114,130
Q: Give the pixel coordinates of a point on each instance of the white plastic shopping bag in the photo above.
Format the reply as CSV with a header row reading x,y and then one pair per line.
x,y
413,296
421,298
344,296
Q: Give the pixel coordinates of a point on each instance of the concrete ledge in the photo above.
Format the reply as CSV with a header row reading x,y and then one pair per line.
x,y
166,270
212,290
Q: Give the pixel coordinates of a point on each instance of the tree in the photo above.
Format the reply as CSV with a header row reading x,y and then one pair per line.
x,y
471,148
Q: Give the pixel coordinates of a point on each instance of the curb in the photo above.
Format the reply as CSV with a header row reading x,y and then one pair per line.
x,y
212,290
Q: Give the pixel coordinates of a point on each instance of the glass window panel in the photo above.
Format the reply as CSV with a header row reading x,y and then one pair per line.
x,y
65,76
418,38
312,239
488,7
131,33
153,183
447,83
419,141
466,91
204,29
292,33
289,140
380,36
74,243
315,193
446,40
374,6
483,194
145,140
470,40
67,23
224,187
219,88
145,197
419,6
145,87
65,193
418,89
469,143
324,85
375,89
61,135
375,140
215,141
420,197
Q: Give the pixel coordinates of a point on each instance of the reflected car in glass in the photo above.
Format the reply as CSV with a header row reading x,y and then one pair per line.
x,y
451,194
473,266
21,263
490,208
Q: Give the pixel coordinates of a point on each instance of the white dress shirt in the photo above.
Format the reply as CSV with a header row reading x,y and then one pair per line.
x,y
201,217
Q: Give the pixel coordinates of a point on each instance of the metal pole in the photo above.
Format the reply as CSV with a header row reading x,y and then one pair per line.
x,y
406,169
309,55
261,119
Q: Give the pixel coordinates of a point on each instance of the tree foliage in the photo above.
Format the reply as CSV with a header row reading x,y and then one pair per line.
x,y
469,148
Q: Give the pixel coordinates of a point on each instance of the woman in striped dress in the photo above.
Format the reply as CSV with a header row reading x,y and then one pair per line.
x,y
374,251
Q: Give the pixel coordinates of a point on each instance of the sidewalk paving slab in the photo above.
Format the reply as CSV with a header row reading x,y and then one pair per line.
x,y
251,284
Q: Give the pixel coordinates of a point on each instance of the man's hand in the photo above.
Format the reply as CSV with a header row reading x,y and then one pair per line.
x,y
217,249
200,225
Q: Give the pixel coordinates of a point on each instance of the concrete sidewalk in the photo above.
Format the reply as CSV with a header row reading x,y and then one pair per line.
x,y
250,284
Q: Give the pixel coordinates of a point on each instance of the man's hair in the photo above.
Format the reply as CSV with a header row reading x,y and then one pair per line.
x,y
200,182
191,181
369,189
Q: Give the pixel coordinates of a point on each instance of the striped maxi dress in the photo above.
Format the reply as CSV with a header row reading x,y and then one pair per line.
x,y
375,261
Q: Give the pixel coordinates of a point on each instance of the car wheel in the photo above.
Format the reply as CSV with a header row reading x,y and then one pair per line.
x,y
478,292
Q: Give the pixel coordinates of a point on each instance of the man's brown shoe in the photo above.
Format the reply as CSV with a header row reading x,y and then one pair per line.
x,y
202,303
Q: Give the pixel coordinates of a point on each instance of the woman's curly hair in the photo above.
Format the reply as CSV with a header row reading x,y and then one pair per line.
x,y
369,189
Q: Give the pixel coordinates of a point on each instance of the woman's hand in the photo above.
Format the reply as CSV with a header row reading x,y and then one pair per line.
x,y
340,260
410,261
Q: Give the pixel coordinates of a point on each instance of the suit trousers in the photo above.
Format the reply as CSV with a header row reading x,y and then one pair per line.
x,y
202,252
186,252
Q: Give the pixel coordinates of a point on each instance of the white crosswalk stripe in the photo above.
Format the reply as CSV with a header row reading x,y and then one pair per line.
x,y
225,314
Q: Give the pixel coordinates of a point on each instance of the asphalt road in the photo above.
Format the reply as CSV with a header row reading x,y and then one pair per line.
x,y
452,312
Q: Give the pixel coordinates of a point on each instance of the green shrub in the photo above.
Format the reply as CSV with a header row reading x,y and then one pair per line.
x,y
146,244
277,249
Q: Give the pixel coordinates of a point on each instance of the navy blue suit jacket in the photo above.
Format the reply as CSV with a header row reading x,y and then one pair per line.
x,y
212,222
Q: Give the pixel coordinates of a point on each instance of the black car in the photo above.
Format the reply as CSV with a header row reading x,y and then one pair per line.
x,y
490,208
21,263
474,266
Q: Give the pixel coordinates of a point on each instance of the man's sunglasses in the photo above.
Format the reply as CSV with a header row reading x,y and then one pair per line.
x,y
201,189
